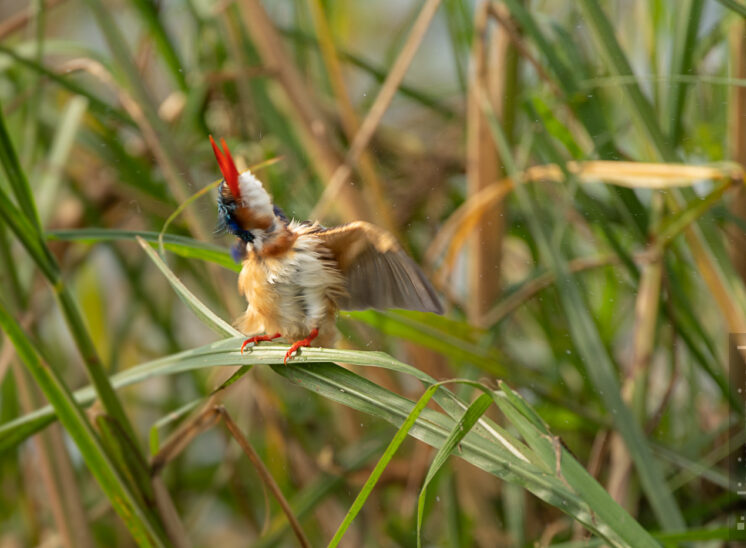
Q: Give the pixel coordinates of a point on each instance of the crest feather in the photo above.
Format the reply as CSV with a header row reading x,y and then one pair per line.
x,y
227,167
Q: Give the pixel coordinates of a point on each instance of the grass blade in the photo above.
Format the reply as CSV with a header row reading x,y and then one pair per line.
x,y
685,41
182,246
97,104
170,56
375,475
734,5
467,422
49,182
210,319
28,232
599,365
16,177
122,498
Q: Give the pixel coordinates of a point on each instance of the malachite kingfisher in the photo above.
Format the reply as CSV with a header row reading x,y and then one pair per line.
x,y
296,275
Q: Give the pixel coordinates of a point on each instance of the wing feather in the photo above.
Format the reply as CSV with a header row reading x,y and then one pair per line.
x,y
378,273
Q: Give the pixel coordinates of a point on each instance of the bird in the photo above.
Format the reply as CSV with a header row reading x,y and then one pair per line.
x,y
295,275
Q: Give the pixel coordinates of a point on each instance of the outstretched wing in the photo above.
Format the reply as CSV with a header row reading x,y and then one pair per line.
x,y
378,273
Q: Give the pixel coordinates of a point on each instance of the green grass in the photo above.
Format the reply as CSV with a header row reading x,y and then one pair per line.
x,y
595,410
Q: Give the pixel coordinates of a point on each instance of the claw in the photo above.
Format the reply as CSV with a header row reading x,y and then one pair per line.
x,y
258,338
303,342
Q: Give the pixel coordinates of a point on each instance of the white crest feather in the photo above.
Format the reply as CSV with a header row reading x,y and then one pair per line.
x,y
253,194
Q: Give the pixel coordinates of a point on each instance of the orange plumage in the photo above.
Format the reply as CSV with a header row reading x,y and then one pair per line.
x,y
295,276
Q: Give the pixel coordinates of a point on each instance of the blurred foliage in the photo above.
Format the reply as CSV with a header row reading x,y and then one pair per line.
x,y
568,173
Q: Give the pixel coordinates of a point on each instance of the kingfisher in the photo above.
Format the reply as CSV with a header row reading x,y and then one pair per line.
x,y
295,276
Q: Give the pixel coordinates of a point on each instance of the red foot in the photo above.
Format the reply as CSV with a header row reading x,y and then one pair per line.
x,y
257,339
303,342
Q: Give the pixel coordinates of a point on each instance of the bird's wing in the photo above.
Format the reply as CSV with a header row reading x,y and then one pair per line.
x,y
378,273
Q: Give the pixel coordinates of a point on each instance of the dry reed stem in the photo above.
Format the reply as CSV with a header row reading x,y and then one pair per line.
x,y
19,20
713,277
196,223
6,356
234,43
175,529
44,470
267,478
310,122
57,474
210,415
500,13
620,470
451,236
347,115
71,497
489,54
528,290
646,307
149,134
646,316
634,385
657,415
379,107
738,143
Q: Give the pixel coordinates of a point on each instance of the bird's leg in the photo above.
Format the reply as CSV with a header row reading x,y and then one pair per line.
x,y
259,338
303,342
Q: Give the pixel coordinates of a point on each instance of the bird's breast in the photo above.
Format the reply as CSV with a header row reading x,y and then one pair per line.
x,y
291,293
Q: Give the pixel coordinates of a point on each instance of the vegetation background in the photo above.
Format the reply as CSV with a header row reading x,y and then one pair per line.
x,y
569,175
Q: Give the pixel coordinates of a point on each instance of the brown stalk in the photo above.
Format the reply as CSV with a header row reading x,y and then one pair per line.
x,y
501,15
452,234
510,304
45,469
207,418
71,496
149,134
620,467
595,462
508,24
551,530
656,416
489,56
57,474
167,511
634,386
6,358
377,110
719,287
347,114
233,40
738,143
265,475
310,122
195,222
19,20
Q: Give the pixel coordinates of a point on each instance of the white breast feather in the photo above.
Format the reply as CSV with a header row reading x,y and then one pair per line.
x,y
304,284
253,194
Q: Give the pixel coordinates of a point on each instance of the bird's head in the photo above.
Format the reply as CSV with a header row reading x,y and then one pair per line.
x,y
244,207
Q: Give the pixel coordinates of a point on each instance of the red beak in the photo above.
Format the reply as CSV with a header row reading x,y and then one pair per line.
x,y
227,167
